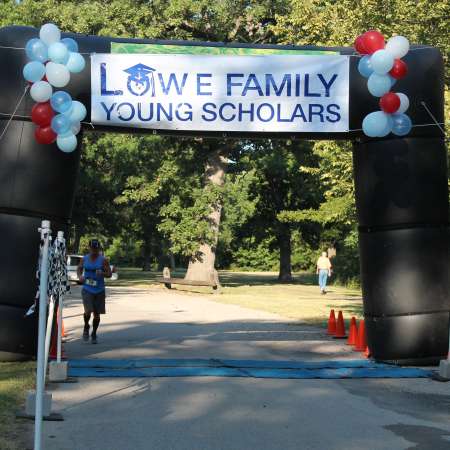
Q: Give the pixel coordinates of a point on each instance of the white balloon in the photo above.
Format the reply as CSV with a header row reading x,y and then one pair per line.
x,y
49,33
75,128
404,103
397,46
57,74
41,91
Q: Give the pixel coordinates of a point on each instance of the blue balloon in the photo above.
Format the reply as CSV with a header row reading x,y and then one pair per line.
x,y
77,113
375,124
58,53
61,101
67,143
61,124
401,124
36,50
71,44
365,67
33,71
75,63
393,80
378,85
382,62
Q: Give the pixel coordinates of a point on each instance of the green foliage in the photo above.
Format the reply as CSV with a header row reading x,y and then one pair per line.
x,y
253,255
146,196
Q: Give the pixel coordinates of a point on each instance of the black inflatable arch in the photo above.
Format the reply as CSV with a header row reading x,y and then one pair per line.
x,y
401,196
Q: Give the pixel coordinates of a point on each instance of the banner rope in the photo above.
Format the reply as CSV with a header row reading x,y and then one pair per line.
x,y
14,112
354,54
436,124
433,118
433,124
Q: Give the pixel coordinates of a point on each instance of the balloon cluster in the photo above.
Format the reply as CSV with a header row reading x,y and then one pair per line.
x,y
56,115
383,66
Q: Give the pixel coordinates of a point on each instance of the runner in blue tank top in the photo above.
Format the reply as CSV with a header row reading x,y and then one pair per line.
x,y
92,270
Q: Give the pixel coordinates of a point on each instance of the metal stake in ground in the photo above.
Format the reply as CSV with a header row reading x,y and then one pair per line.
x,y
40,372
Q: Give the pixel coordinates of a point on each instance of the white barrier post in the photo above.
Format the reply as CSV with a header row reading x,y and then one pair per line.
x,y
40,372
60,238
48,334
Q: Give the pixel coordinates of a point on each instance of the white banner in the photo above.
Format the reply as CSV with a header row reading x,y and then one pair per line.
x,y
269,93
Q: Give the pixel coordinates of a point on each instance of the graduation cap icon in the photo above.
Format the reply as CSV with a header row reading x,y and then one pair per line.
x,y
140,79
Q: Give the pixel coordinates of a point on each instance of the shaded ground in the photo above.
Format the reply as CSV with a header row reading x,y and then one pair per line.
x,y
231,413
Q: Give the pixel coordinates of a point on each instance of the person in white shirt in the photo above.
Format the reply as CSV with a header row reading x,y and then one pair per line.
x,y
324,271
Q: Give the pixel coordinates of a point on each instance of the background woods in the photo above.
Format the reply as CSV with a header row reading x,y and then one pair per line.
x,y
204,204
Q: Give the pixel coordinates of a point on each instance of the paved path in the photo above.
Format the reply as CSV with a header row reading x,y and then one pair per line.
x,y
231,413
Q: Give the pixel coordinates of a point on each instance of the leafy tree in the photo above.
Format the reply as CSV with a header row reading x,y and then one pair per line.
x,y
283,181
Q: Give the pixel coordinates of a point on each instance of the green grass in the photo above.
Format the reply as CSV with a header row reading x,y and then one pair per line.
x,y
15,380
299,300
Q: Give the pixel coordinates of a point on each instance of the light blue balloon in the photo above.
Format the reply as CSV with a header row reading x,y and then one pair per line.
x,y
71,44
75,63
365,67
58,53
401,124
36,50
378,85
61,124
67,143
77,113
392,79
33,71
388,127
61,101
382,62
375,123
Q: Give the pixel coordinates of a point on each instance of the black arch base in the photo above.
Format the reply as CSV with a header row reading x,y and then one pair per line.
x,y
403,214
36,183
401,196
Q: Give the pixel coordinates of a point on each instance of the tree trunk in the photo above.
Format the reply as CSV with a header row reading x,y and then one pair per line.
x,y
202,268
147,256
79,231
172,261
284,243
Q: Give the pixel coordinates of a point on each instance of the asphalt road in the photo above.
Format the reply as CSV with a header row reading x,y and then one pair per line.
x,y
231,413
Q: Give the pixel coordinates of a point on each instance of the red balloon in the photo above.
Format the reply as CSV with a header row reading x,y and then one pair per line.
x,y
359,45
45,135
390,102
42,114
399,69
372,40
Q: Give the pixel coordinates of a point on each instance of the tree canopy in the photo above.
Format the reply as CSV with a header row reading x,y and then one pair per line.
x,y
274,205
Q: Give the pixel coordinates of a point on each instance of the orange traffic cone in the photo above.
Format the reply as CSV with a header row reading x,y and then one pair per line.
x,y
63,331
353,332
361,342
340,327
332,323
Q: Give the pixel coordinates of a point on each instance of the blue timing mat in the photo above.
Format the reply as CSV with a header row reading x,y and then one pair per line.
x,y
240,368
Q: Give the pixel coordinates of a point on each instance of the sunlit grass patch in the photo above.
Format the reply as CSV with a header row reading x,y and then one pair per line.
x,y
15,380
